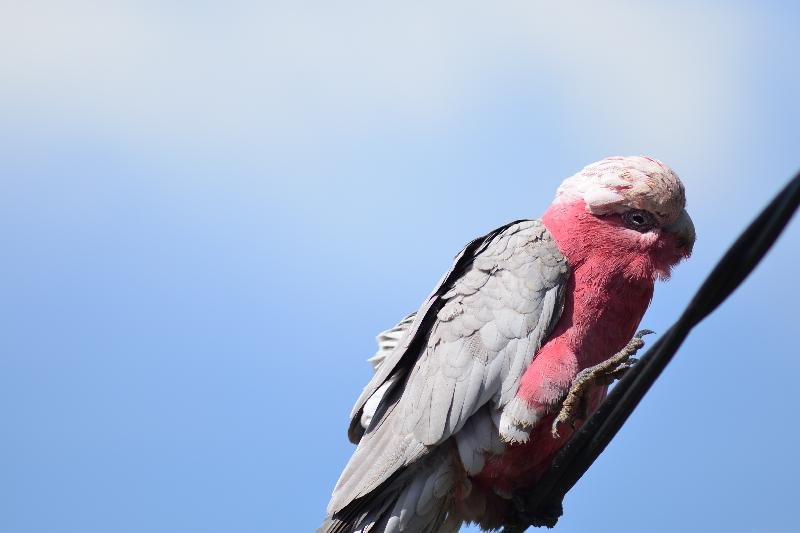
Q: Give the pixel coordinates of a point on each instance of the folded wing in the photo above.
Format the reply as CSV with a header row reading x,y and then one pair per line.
x,y
453,368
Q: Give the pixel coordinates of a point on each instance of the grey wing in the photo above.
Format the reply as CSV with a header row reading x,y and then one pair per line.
x,y
387,342
399,360
489,321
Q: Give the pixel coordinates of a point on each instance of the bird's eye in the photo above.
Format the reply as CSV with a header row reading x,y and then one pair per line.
x,y
639,220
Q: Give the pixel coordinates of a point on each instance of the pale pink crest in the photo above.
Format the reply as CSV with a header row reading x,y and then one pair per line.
x,y
617,184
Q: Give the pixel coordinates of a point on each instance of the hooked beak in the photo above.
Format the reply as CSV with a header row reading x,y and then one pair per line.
x,y
683,230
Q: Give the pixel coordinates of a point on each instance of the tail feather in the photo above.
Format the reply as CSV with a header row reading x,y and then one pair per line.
x,y
357,518
420,501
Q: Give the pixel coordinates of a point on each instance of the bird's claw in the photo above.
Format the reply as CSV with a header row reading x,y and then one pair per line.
x,y
600,374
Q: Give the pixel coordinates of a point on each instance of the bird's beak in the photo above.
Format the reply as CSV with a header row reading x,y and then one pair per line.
x,y
683,230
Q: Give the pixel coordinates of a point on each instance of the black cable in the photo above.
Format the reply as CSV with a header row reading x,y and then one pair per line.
x,y
542,505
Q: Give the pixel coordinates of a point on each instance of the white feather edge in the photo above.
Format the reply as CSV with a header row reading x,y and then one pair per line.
x,y
387,341
516,421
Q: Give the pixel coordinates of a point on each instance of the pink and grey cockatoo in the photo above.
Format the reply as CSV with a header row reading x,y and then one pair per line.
x,y
461,413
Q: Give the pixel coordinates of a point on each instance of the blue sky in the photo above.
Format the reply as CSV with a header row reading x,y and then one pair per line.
x,y
209,211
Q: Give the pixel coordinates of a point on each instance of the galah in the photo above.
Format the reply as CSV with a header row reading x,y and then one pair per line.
x,y
463,410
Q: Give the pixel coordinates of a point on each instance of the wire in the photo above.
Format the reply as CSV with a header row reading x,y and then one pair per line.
x,y
543,505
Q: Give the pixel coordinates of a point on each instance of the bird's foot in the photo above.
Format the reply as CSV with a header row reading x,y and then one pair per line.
x,y
574,405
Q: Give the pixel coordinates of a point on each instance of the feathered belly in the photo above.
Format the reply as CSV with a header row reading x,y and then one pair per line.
x,y
521,465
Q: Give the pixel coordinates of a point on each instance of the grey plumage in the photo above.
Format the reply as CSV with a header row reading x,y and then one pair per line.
x,y
387,342
431,412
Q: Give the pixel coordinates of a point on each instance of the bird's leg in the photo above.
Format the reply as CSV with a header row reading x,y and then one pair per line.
x,y
574,405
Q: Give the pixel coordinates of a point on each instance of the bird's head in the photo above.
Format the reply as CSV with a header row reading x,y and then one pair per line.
x,y
630,208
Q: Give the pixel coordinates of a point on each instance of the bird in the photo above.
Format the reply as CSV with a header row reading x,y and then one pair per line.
x,y
475,392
